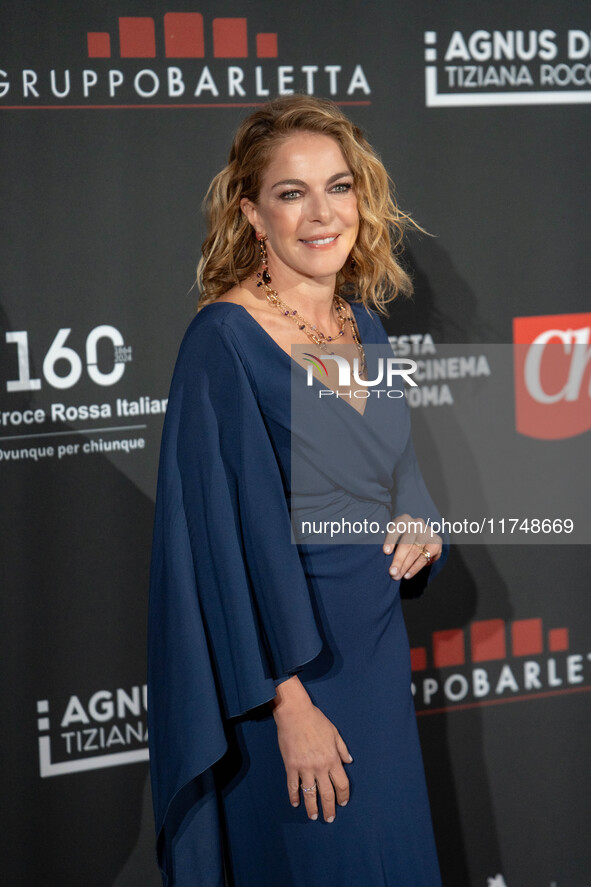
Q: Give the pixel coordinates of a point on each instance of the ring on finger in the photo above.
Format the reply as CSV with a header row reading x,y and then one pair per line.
x,y
312,788
424,551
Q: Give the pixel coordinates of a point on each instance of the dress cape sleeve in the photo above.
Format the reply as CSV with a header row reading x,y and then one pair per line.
x,y
230,610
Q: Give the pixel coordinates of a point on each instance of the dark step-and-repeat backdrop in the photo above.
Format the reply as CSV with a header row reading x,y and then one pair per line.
x,y
114,116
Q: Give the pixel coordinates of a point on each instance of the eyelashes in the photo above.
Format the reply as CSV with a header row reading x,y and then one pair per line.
x,y
342,187
293,193
289,195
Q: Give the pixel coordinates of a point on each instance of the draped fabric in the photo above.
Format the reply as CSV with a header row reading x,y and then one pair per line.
x,y
231,604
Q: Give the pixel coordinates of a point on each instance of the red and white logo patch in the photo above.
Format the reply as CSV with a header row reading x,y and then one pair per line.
x,y
552,375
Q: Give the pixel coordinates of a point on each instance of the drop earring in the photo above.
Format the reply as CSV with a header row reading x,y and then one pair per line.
x,y
264,259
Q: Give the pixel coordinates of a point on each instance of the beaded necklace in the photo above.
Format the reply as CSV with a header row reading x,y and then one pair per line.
x,y
311,330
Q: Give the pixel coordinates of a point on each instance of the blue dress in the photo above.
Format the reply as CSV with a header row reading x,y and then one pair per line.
x,y
236,607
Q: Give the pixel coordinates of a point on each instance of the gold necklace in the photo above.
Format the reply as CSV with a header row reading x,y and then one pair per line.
x,y
314,334
311,330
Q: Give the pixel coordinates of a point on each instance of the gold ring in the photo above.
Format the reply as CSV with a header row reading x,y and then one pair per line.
x,y
426,554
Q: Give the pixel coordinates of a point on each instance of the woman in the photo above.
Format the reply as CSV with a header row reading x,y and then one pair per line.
x,y
272,664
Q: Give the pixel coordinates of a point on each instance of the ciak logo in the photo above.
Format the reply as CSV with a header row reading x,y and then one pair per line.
x,y
117,75
493,662
552,375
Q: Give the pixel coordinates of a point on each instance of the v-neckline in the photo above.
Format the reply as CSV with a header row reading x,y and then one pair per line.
x,y
289,357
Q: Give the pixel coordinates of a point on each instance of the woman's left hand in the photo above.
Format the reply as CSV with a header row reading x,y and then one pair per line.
x,y
416,546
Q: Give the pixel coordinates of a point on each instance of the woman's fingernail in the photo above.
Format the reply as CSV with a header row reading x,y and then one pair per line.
x,y
387,549
350,758
330,819
394,572
407,575
294,804
344,803
314,816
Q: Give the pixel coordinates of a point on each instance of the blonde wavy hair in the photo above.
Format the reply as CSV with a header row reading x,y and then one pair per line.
x,y
230,252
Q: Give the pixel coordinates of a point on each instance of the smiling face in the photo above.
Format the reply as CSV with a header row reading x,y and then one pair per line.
x,y
307,209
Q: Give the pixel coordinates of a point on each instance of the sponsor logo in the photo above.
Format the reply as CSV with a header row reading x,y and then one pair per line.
x,y
434,372
484,68
106,730
552,356
61,355
493,662
179,60
100,359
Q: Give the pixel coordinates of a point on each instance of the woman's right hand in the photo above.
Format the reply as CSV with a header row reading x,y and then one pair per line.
x,y
313,750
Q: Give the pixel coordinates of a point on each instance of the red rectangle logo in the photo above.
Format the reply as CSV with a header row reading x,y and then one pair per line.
x,y
267,46
99,45
230,38
183,35
487,639
526,637
137,38
418,658
558,640
448,648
